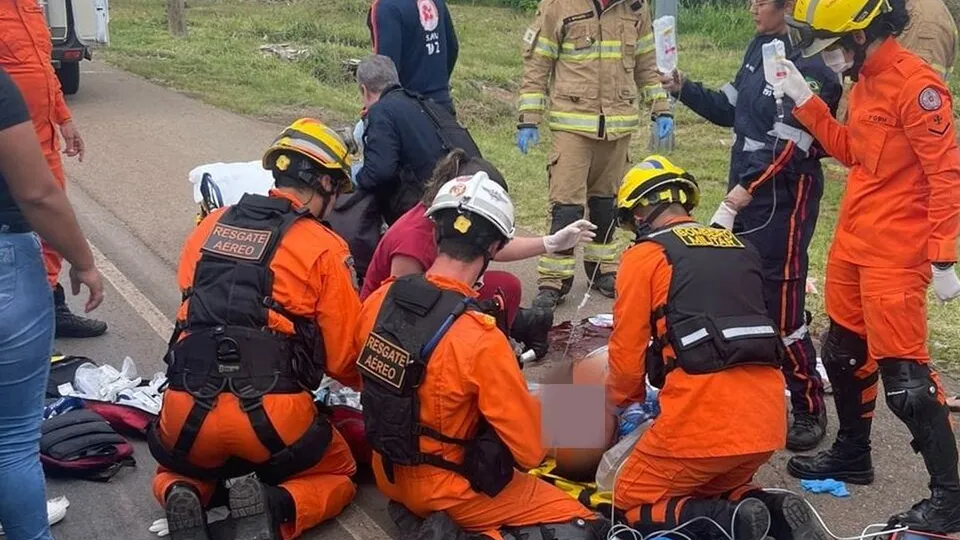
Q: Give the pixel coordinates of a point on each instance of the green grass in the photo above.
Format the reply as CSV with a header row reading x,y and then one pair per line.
x,y
219,62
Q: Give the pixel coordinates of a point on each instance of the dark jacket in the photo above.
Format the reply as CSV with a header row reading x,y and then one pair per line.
x,y
419,37
764,145
401,146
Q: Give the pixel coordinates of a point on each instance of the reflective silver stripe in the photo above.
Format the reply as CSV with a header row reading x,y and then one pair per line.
x,y
556,267
750,145
545,47
812,9
796,336
731,93
532,102
605,253
801,138
740,331
695,336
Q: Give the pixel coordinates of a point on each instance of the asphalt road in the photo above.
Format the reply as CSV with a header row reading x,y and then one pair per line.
x,y
135,204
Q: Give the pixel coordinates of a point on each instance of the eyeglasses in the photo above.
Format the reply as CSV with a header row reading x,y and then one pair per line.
x,y
754,4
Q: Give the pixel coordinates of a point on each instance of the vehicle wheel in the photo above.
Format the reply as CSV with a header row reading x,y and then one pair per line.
x,y
69,75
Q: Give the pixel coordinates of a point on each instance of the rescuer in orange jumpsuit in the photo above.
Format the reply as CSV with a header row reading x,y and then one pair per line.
x,y
25,51
461,388
239,399
896,233
713,348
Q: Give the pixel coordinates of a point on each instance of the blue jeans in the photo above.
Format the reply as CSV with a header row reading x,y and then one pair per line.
x,y
26,340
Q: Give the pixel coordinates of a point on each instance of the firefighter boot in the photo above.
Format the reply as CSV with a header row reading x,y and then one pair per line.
x,y
854,393
748,519
70,325
600,256
186,518
791,518
914,394
251,512
406,521
556,270
531,327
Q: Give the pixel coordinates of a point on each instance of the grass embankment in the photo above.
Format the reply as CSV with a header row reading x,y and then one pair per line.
x,y
220,62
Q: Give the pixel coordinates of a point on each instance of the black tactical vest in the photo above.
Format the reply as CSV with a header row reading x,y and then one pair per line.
x,y
413,318
229,347
716,317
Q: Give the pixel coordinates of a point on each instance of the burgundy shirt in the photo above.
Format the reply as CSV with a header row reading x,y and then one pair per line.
x,y
412,236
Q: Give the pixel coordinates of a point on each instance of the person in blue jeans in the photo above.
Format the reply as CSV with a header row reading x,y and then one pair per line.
x,y
32,206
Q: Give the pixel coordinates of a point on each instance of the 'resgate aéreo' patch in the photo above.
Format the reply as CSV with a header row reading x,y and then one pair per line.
x,y
237,242
384,361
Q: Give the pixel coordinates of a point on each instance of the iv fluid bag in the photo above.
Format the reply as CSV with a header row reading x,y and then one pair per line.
x,y
773,56
665,39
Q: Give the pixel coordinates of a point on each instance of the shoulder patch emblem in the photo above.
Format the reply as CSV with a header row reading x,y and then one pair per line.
x,y
348,261
529,36
429,19
930,99
814,85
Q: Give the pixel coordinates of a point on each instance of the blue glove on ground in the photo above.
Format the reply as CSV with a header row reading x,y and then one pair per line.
x,y
831,486
664,126
526,137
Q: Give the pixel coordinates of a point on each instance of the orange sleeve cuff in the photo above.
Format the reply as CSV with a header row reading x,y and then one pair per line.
x,y
942,250
808,113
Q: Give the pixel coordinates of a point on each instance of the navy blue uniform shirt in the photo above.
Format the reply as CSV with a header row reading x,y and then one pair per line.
x,y
764,145
418,36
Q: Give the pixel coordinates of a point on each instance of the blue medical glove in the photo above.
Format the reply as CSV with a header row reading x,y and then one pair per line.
x,y
664,126
527,136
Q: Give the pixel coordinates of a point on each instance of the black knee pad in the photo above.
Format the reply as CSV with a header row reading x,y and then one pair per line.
x,y
844,352
603,214
562,215
911,392
577,529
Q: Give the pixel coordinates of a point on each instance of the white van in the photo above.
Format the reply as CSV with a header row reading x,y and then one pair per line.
x,y
76,26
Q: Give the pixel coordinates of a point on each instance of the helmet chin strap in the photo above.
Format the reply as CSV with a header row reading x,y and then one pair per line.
x,y
645,225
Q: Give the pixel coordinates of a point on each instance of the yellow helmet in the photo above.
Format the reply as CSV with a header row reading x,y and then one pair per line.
x,y
653,181
320,145
818,24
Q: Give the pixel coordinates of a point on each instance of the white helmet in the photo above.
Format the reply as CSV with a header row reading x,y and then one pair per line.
x,y
480,195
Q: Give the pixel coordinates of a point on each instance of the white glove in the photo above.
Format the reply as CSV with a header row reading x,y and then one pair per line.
x,y
946,283
569,236
795,86
724,216
160,527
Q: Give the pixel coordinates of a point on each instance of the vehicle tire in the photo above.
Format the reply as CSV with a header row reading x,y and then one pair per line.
x,y
69,75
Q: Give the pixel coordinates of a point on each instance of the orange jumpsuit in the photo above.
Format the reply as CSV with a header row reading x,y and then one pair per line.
x,y
473,371
901,209
714,431
25,52
311,279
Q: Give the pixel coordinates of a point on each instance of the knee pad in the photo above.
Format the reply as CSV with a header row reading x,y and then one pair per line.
x,y
844,352
911,393
562,215
603,214
576,529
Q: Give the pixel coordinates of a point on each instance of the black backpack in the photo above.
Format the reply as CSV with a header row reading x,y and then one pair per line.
x,y
81,444
452,134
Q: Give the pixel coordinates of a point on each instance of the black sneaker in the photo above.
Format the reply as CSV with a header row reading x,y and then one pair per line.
x,y
940,514
186,518
70,325
248,508
548,299
807,431
606,284
840,463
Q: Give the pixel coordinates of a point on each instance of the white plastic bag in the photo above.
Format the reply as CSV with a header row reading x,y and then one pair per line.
x,y
231,181
614,458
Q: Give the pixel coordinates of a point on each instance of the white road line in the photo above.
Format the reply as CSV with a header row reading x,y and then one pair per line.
x,y
353,518
144,307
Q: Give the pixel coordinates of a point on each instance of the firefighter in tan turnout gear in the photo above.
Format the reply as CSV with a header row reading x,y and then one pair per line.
x,y
588,67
